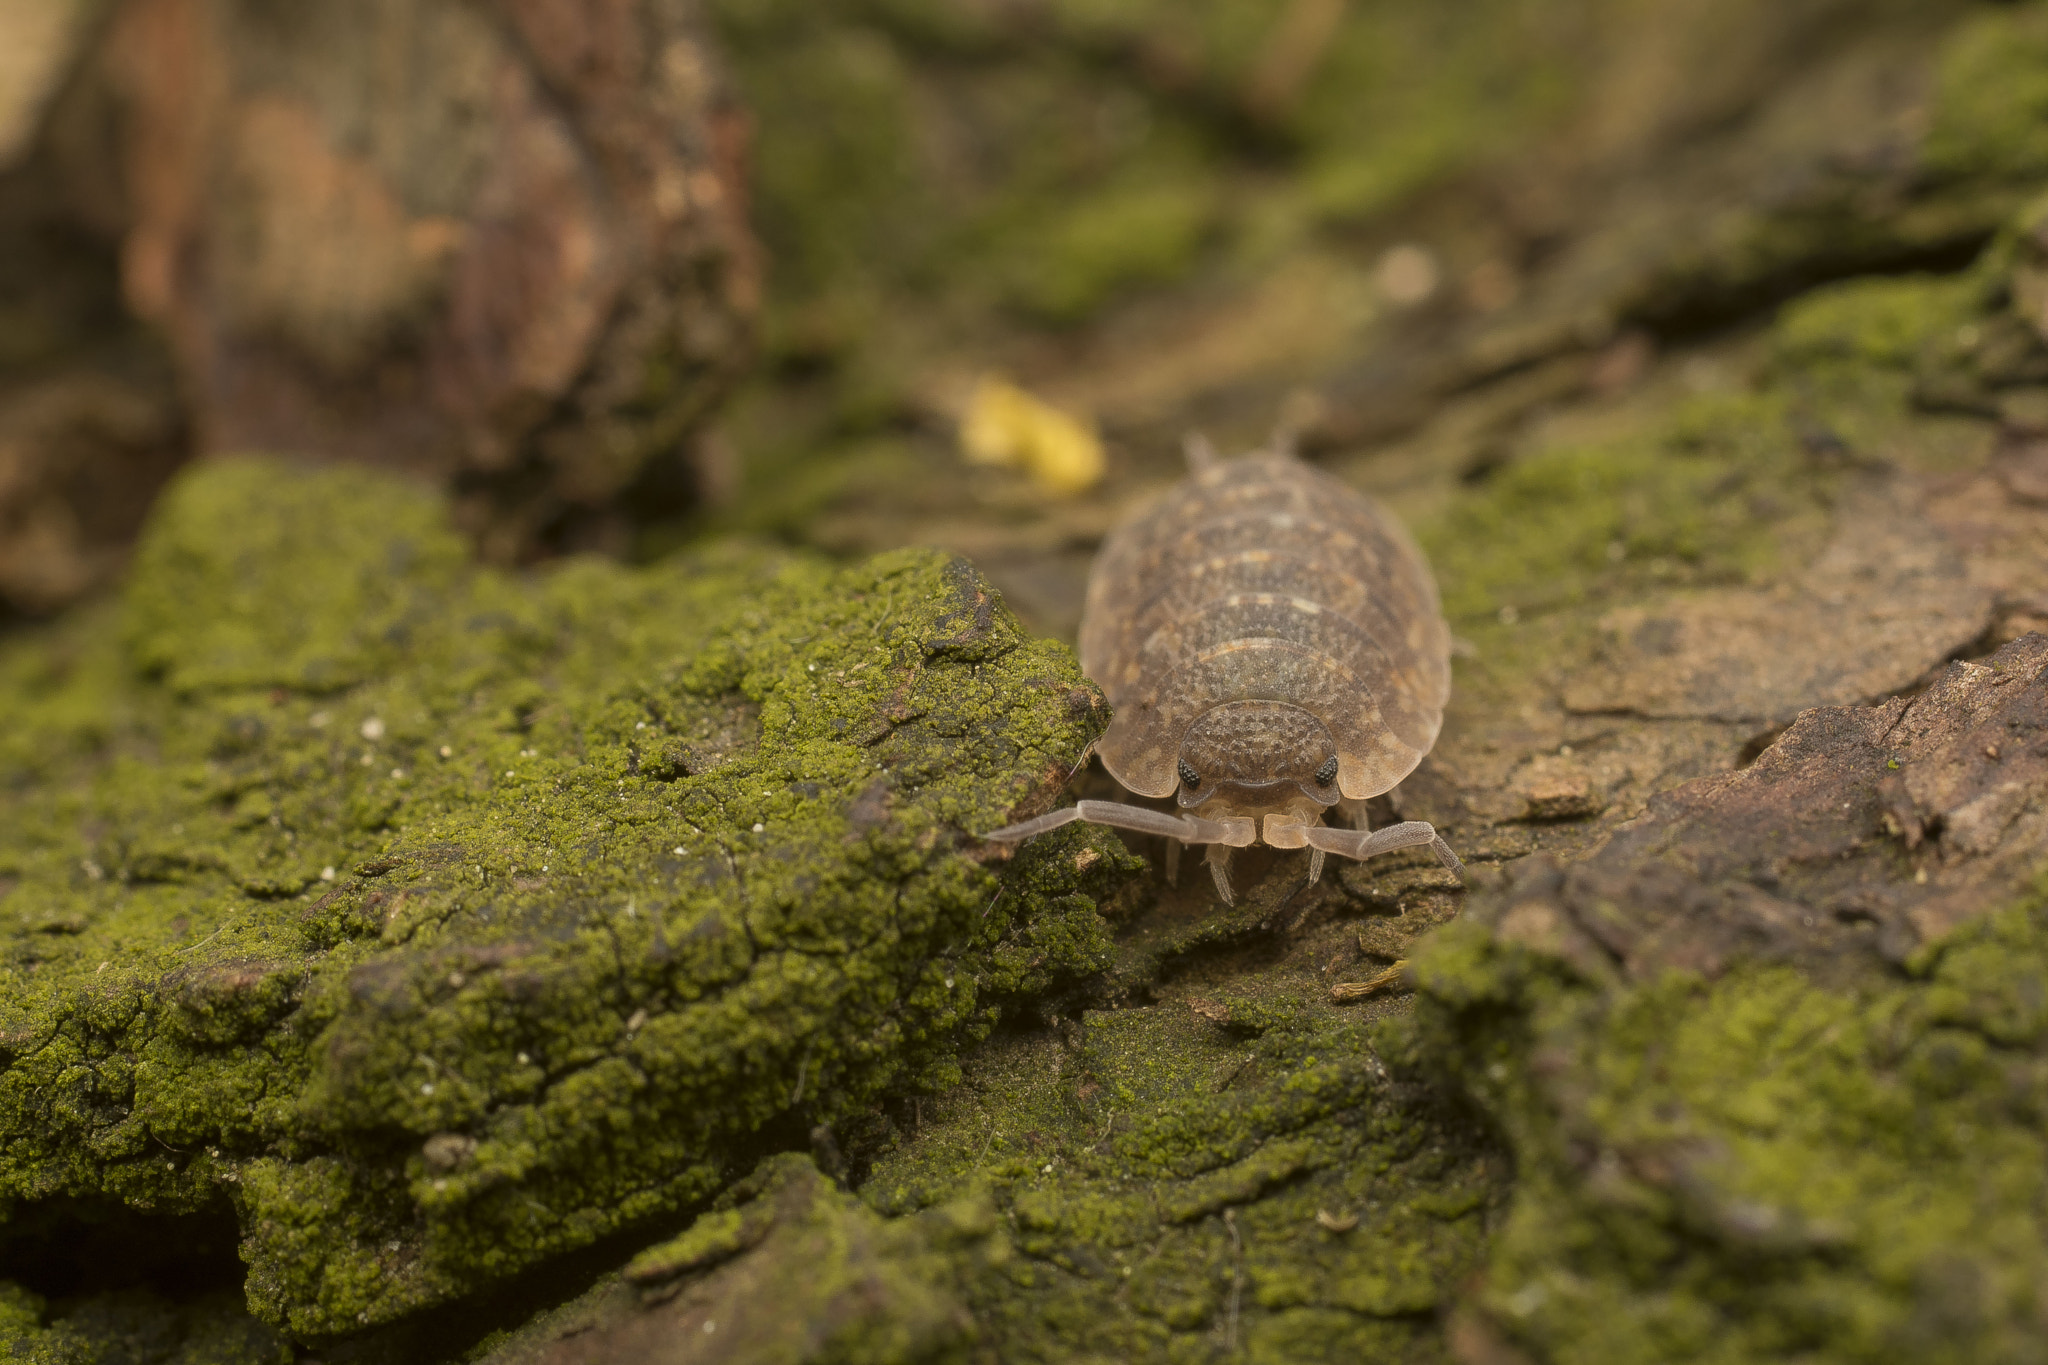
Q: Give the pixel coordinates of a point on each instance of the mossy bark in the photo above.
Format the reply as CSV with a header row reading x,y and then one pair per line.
x,y
443,921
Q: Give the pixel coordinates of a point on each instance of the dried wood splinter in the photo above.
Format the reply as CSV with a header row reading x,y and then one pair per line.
x,y
1273,646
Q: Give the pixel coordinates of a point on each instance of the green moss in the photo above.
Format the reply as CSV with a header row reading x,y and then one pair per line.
x,y
444,921
1885,322
1761,1167
1172,1188
1882,367
1692,499
836,172
1728,486
1096,147
867,1291
134,1328
1142,232
205,612
1991,104
21,1315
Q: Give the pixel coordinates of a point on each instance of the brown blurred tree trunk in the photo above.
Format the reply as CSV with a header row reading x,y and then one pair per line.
x,y
500,245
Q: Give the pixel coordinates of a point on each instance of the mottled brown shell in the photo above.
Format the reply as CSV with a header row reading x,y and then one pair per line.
x,y
1262,580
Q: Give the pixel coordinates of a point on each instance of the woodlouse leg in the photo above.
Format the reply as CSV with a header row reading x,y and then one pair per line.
x,y
1173,847
1199,452
1285,833
1360,845
1218,859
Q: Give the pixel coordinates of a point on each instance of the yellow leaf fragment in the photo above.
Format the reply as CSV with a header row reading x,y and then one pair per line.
x,y
1009,428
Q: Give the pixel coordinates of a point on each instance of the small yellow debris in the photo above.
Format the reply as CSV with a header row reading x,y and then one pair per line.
x,y
1006,427
1337,1222
1346,991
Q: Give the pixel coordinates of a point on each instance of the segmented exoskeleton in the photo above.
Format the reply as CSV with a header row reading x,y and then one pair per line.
x,y
1272,644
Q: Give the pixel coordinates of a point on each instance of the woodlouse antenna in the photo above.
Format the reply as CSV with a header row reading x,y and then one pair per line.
x,y
1359,844
1086,750
1234,832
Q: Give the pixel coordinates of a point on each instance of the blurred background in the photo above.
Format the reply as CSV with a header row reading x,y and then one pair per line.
x,y
620,274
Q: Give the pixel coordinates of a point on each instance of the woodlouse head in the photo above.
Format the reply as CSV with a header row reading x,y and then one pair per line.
x,y
1268,748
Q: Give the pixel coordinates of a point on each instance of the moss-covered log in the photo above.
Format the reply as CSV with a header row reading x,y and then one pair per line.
x,y
1715,385
443,921
1754,1115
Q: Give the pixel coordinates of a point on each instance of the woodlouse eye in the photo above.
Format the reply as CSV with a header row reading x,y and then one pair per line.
x,y
1326,774
1189,775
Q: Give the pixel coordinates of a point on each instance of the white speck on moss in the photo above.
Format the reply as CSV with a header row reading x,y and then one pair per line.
x,y
327,874
373,728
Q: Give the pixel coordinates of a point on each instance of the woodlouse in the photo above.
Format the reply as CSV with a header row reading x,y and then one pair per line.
x,y
1273,646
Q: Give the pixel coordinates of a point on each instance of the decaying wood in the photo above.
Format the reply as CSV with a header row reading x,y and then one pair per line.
x,y
499,246
1863,832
